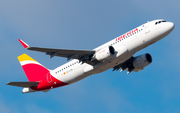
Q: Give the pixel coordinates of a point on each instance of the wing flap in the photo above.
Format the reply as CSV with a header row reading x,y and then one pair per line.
x,y
125,65
23,84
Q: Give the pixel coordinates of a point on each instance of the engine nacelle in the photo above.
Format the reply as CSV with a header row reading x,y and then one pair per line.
x,y
142,61
104,54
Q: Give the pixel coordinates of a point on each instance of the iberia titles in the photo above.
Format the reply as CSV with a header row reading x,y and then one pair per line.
x,y
126,34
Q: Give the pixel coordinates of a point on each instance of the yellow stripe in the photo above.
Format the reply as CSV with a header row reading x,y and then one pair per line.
x,y
25,57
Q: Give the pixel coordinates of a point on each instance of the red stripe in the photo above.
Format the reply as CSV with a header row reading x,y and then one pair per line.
x,y
38,73
49,85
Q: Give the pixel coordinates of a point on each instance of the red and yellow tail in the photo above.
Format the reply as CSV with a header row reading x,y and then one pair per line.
x,y
34,71
37,73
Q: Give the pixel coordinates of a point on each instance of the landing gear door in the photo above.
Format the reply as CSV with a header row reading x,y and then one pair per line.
x,y
146,28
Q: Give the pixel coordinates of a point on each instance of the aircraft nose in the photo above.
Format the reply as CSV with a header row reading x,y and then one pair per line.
x,y
170,26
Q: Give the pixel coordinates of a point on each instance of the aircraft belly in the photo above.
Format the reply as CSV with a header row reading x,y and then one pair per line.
x,y
86,70
101,67
76,75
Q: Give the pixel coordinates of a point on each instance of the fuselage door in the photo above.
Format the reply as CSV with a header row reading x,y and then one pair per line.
x,y
49,77
146,28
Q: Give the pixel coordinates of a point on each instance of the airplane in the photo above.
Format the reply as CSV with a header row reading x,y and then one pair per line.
x,y
117,54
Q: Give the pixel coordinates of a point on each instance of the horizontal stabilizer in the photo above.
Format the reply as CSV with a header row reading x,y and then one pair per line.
x,y
23,84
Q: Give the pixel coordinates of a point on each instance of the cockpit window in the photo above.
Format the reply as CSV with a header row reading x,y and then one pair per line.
x,y
160,22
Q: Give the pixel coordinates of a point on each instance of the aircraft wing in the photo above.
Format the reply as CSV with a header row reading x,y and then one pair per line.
x,y
23,84
81,55
127,65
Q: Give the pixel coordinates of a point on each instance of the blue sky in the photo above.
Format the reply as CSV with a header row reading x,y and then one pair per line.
x,y
84,24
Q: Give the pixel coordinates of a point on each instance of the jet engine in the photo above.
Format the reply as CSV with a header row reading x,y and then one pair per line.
x,y
141,61
135,63
104,54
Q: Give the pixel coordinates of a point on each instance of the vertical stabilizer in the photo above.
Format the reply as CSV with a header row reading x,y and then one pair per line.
x,y
34,71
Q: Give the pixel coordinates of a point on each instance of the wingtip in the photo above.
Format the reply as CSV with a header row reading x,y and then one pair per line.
x,y
23,43
7,83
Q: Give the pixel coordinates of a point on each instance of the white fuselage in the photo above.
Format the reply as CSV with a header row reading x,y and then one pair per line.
x,y
131,42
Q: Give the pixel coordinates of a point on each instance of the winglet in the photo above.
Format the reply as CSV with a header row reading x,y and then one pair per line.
x,y
23,43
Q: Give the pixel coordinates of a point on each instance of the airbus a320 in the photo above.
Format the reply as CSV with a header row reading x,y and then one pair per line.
x,y
116,54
